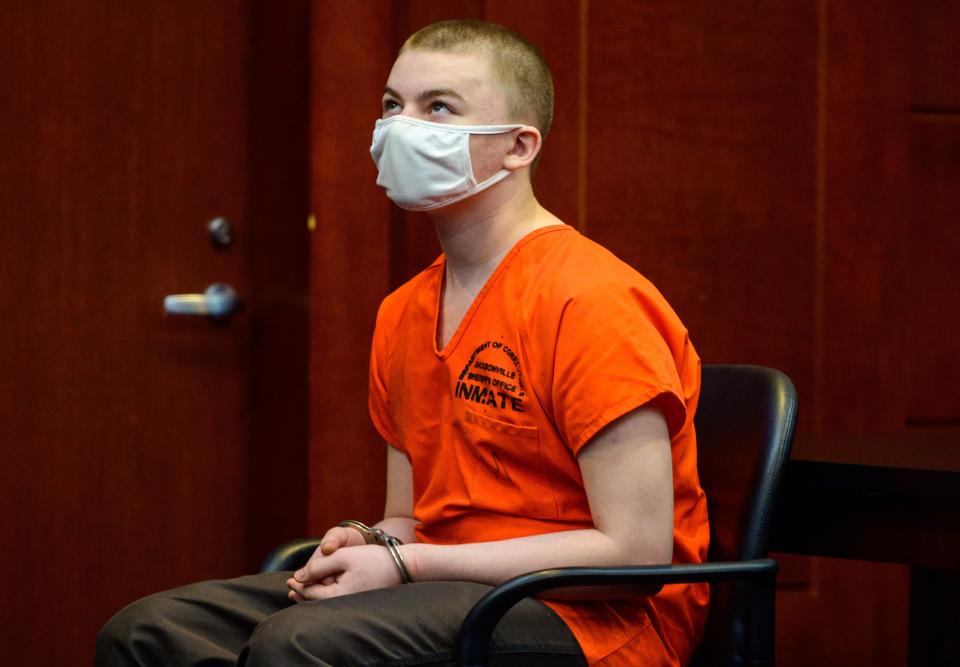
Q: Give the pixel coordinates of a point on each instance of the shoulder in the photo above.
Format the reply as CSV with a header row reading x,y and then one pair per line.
x,y
601,340
567,270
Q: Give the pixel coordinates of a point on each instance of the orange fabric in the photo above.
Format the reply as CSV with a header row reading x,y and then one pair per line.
x,y
563,339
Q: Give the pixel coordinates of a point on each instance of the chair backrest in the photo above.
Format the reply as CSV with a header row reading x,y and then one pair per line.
x,y
745,422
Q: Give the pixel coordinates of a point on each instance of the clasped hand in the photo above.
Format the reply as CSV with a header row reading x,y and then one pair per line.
x,y
341,565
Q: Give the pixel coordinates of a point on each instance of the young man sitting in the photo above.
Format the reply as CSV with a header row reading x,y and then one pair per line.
x,y
537,396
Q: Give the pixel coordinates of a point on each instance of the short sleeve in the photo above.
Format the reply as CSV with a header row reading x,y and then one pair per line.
x,y
378,397
611,356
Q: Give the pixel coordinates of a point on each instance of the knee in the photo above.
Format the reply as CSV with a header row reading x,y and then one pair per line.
x,y
306,631
111,641
124,636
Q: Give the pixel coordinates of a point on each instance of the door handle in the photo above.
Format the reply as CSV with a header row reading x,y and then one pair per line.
x,y
218,300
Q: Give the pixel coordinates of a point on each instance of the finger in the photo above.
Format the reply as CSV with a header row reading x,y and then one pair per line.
x,y
305,574
321,592
295,586
317,568
300,592
298,586
337,537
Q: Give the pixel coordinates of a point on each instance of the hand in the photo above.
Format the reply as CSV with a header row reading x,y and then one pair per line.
x,y
348,570
338,537
333,539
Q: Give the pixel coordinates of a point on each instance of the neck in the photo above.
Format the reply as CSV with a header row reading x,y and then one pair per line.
x,y
478,232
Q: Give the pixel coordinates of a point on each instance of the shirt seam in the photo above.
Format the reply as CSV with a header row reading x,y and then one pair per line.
x,y
613,413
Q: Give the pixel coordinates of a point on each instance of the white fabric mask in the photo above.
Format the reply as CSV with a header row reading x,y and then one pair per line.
x,y
426,165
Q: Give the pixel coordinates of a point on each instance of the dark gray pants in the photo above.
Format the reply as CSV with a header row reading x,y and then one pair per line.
x,y
249,621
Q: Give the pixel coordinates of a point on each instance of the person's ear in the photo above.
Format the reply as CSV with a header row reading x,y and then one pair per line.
x,y
526,147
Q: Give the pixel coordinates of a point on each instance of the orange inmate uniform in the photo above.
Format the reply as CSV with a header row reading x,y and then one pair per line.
x,y
563,339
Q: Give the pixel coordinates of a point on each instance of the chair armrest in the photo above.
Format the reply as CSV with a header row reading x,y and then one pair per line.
x,y
291,555
477,628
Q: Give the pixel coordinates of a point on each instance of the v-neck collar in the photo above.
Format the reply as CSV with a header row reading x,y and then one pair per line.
x,y
475,305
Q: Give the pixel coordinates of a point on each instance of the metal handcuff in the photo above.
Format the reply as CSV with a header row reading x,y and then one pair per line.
x,y
377,536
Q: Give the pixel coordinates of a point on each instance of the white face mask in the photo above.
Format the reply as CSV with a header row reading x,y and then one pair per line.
x,y
426,165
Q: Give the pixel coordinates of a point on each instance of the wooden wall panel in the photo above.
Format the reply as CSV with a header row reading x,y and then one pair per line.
x,y
559,30
855,614
701,167
861,169
935,54
866,170
351,53
279,201
931,278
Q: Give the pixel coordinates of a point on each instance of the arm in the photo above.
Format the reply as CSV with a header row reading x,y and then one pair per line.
x,y
627,474
398,514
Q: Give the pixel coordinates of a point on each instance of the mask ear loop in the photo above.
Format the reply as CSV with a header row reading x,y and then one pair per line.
x,y
493,180
468,164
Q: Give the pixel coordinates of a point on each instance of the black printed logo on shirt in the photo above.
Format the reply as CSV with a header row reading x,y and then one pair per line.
x,y
492,377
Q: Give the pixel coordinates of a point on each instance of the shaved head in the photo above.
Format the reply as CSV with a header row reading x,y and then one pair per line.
x,y
520,70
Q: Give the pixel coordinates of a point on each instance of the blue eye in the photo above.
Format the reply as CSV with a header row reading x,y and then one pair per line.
x,y
439,107
389,106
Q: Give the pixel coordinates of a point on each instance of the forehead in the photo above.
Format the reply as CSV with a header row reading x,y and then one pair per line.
x,y
470,75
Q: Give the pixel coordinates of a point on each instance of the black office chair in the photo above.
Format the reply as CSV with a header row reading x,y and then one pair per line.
x,y
745,424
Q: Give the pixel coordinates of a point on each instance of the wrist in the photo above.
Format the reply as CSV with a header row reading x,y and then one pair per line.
x,y
411,558
402,528
355,537
380,537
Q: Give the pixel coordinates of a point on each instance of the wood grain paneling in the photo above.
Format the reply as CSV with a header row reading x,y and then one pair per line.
x,y
866,185
349,257
862,89
279,203
701,167
931,279
557,31
857,616
935,55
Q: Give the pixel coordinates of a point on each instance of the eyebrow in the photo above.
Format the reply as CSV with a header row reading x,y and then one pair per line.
x,y
426,94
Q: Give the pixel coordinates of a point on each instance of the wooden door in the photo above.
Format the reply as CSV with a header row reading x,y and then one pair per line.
x,y
126,434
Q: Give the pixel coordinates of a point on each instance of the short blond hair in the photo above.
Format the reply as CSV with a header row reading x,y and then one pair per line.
x,y
516,63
